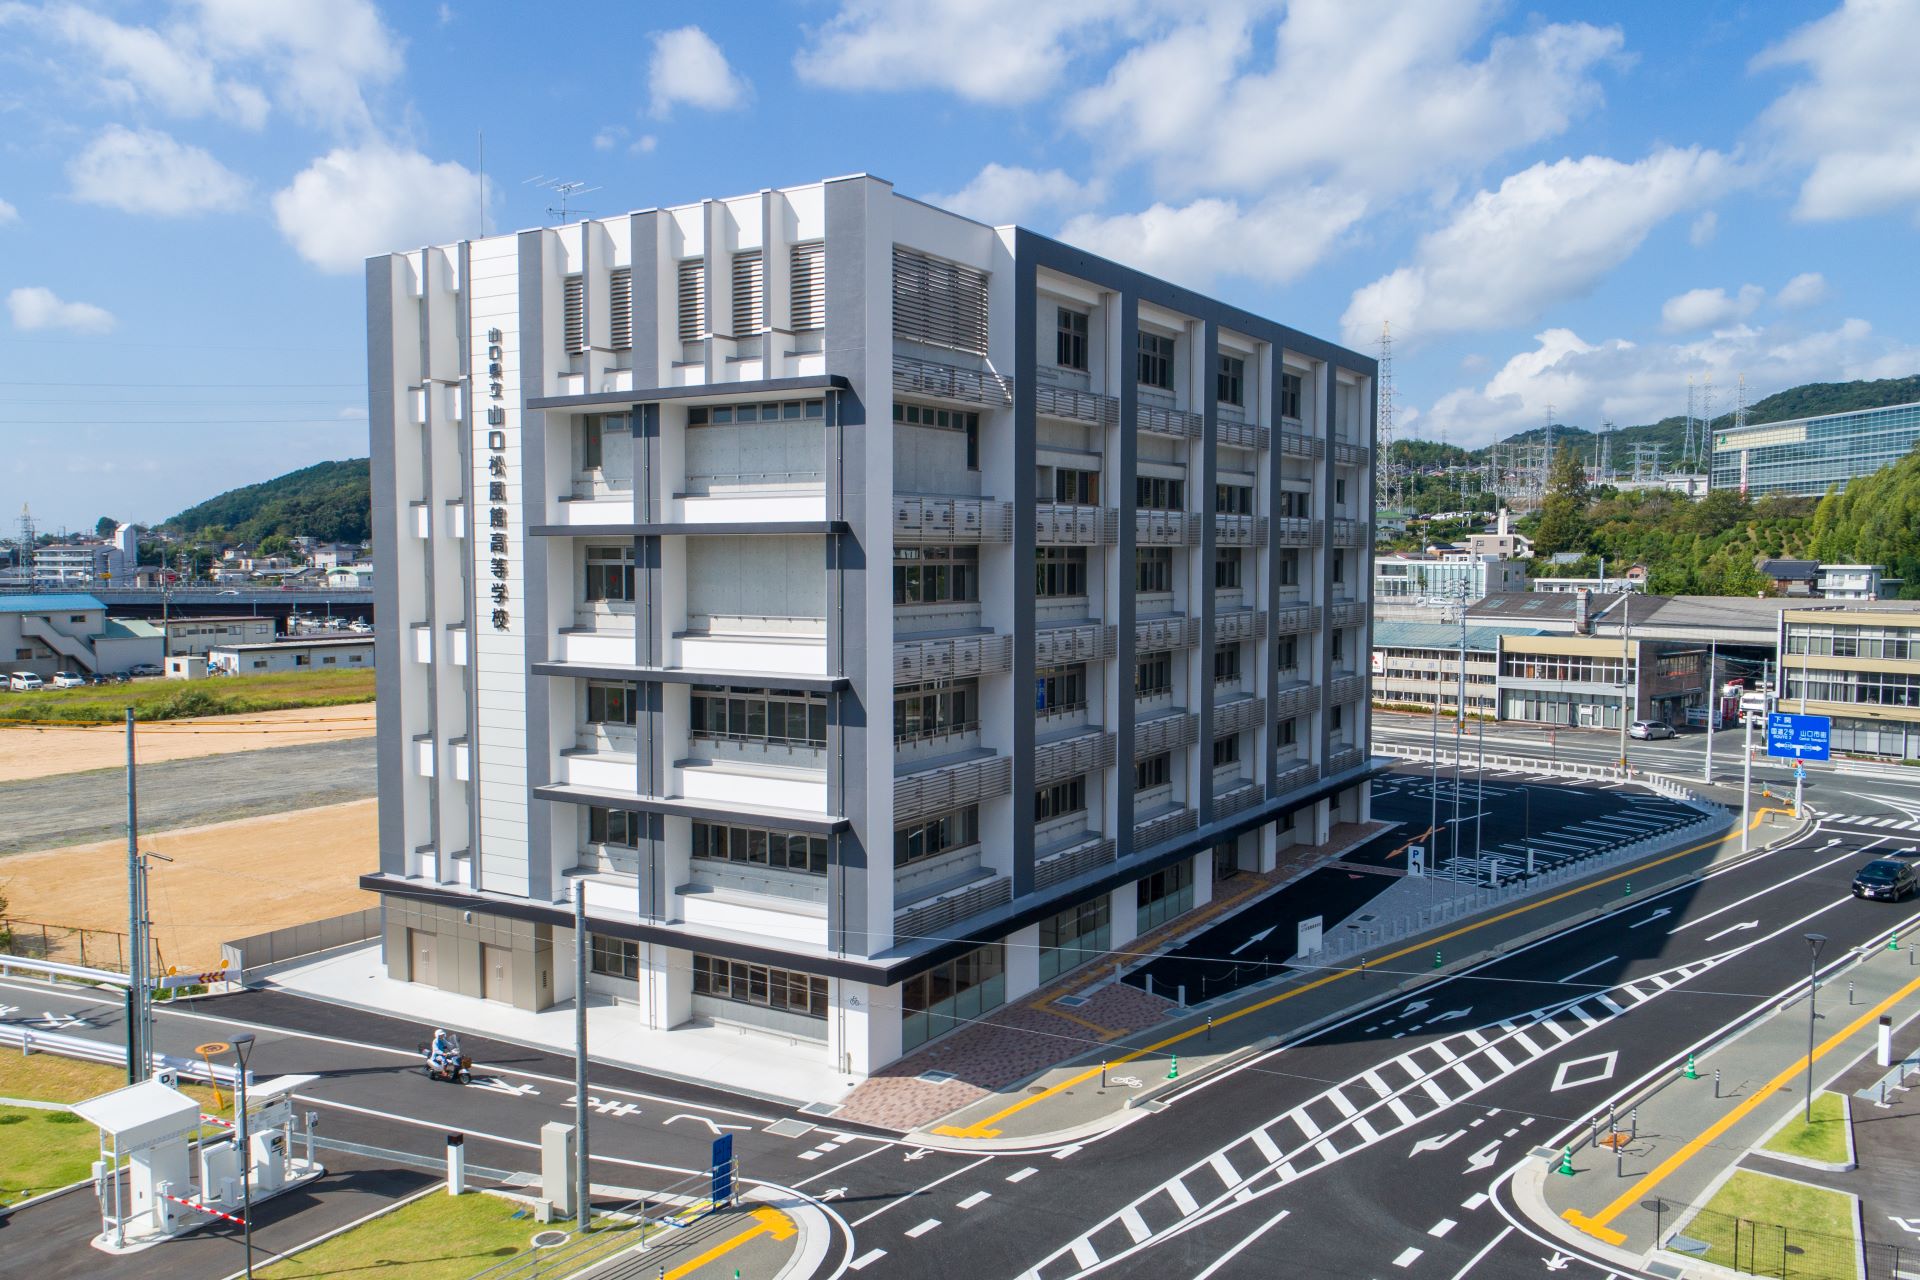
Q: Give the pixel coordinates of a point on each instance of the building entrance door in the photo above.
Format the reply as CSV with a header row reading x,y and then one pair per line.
x,y
496,973
422,957
1589,716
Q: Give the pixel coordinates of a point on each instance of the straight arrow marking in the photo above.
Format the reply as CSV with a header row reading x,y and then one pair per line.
x,y
1260,936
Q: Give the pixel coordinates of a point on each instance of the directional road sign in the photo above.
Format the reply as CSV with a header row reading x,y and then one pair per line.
x,y
1798,737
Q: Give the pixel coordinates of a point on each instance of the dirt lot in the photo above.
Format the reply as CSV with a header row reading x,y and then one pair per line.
x,y
27,752
226,881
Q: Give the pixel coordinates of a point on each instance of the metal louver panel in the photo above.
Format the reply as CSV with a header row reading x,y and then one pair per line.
x,y
809,287
693,300
576,315
746,293
620,308
938,302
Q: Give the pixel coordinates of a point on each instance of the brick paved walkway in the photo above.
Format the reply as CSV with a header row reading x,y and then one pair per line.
x,y
1023,1039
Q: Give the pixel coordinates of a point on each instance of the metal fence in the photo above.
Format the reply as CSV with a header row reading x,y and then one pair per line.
x,y
1755,1246
69,944
298,940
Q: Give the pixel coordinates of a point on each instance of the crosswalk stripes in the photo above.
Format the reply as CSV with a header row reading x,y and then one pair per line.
x,y
1330,1126
1878,824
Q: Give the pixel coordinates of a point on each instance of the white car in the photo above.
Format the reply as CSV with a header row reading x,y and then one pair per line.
x,y
68,680
24,681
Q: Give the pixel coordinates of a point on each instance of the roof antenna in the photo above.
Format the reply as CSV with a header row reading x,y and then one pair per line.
x,y
565,190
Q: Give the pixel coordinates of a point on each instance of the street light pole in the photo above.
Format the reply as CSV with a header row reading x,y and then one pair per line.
x,y
1746,777
1814,942
584,1196
1627,690
243,1050
1459,719
1713,706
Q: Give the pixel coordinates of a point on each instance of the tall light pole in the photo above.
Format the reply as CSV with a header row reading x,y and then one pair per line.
x,y
1814,942
243,1050
1746,777
584,1196
1459,714
1628,680
139,1043
1713,705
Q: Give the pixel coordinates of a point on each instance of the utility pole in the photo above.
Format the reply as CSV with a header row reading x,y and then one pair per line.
x,y
139,1045
1628,677
1746,780
584,1195
1713,705
1459,721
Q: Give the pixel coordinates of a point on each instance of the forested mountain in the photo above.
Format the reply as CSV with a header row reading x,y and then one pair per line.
x,y
329,500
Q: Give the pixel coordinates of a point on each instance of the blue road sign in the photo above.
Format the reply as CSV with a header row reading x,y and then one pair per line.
x,y
1798,737
723,1168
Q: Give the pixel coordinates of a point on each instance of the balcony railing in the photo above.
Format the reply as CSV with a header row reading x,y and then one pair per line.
x,y
1062,524
1348,533
1166,633
936,917
1349,455
1165,528
1347,689
1162,421
1094,851
935,381
1298,444
1235,624
1241,795
1239,715
1292,778
1344,758
951,658
1089,642
1159,830
951,786
1351,613
1076,406
1295,700
1296,531
1070,757
1241,435
602,485
1293,619
1164,733
1239,531
943,520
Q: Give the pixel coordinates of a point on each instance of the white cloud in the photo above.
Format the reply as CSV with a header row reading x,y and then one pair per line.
x,y
1698,309
445,14
687,66
8,214
1804,290
1274,240
1377,94
1547,234
993,51
643,144
355,202
608,138
1629,383
36,307
146,171
1703,230
1851,119
1000,194
318,57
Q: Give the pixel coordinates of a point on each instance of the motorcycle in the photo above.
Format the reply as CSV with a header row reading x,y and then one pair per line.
x,y
454,1070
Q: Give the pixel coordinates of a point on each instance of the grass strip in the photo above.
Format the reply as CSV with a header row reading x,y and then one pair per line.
x,y
1824,1140
1771,1226
181,699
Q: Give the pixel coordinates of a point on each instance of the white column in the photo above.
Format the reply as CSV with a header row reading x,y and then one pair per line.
x,y
1023,961
1123,911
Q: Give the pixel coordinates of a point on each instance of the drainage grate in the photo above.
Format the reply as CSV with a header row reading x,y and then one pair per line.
x,y
820,1108
938,1077
789,1128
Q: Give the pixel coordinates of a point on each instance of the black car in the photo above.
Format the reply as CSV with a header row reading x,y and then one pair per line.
x,y
1885,878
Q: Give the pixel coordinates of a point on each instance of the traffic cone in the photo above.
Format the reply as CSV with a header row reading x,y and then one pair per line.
x,y
1691,1073
1173,1069
1893,942
1566,1161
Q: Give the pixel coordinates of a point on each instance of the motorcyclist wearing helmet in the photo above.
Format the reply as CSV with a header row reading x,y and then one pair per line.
x,y
443,1055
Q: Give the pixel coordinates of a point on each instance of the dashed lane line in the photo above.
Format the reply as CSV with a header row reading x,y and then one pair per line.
x,y
867,1259
1439,1229
914,1233
1474,1201
1408,1256
1022,1175
974,1199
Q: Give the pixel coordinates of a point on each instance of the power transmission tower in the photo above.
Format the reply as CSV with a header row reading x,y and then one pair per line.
x,y
1740,404
1386,465
1603,458
1686,449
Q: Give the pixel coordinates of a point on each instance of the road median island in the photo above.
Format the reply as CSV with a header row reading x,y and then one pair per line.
x,y
1111,1085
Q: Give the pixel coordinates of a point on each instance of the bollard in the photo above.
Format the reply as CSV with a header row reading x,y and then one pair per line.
x,y
1149,984
1173,1069
1566,1161
1633,1124
1436,959
1182,1002
1629,892
1691,1073
1849,992
1594,1142
1716,1082
1209,1026
1619,1167
1103,1075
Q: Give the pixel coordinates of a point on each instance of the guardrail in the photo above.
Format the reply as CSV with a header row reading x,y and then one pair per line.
x,y
1560,769
29,1040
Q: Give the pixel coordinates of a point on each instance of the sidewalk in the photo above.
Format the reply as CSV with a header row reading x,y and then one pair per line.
x,y
1689,1138
1105,1087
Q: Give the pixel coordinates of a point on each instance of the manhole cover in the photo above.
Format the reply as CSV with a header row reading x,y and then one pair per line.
x,y
937,1077
820,1108
549,1239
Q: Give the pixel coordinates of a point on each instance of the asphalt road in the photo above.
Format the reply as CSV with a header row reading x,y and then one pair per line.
x,y
78,808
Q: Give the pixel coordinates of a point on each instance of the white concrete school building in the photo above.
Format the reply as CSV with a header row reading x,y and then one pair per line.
x,y
872,612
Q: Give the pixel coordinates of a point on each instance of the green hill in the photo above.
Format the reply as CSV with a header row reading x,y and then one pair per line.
x,y
332,501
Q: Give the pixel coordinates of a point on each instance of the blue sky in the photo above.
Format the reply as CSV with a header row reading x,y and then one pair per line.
x,y
1572,205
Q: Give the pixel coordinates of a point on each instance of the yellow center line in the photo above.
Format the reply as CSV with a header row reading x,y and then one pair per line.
x,y
770,1222
1597,1225
983,1128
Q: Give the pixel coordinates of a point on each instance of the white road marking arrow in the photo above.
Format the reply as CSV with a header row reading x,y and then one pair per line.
x,y
1448,1016
1417,1006
711,1126
52,1020
1484,1157
1558,1262
1661,914
8,1010
1435,1144
1909,1225
1258,937
1750,924
497,1085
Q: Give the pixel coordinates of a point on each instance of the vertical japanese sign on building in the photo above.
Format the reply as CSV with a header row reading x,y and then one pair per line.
x,y
497,485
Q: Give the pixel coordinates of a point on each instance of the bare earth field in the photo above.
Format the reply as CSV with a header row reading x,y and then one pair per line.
x,y
33,752
226,881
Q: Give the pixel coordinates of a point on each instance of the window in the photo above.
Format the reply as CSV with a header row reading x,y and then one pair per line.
x,y
1153,569
1226,663
919,841
754,846
721,415
615,957
807,287
620,308
613,826
1339,567
1060,689
609,573
1070,350
1226,751
1287,733
1288,565
1233,499
936,575
758,715
927,710
746,293
1226,569
1153,675
610,703
1290,396
1060,799
1230,385
1339,645
941,303
1296,505
1337,718
591,452
302,660
1060,572
328,660
693,299
1163,895
758,984
1154,361
574,305
1154,771
1074,937
1158,493
1076,488
952,994
1286,653
964,420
